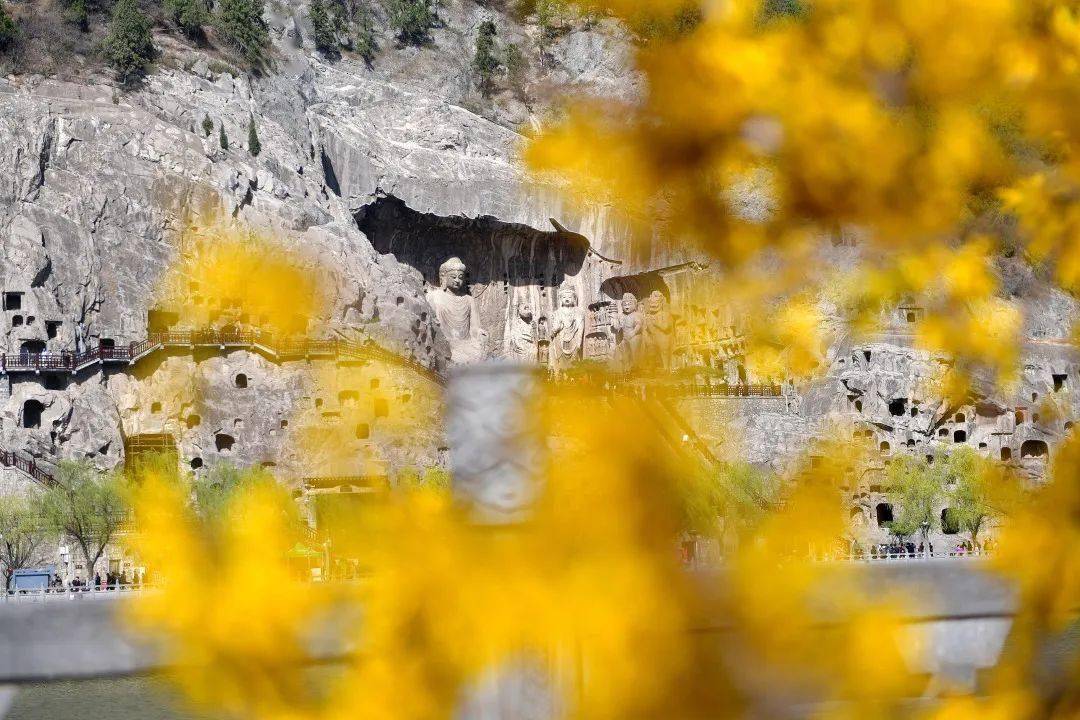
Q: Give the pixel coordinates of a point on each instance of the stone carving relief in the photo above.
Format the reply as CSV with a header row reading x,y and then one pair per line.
x,y
567,331
521,342
458,314
628,326
659,327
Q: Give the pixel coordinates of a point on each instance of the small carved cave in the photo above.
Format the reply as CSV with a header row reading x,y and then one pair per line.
x,y
224,442
1034,449
898,407
884,513
31,413
949,523
241,380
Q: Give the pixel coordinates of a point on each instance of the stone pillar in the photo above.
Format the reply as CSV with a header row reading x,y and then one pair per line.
x,y
494,453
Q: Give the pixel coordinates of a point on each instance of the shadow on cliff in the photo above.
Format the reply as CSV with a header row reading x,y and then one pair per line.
x,y
494,252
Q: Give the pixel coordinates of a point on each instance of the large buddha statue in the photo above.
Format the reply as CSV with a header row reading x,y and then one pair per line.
x,y
458,313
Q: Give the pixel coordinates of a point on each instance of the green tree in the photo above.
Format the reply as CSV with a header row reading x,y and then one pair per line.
x,y
915,490
324,28
21,535
86,507
411,19
189,15
485,60
978,492
242,25
254,146
517,68
207,125
129,46
365,43
223,139
9,32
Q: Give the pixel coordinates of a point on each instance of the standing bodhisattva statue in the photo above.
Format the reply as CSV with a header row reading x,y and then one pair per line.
x,y
567,331
522,342
659,327
628,327
458,313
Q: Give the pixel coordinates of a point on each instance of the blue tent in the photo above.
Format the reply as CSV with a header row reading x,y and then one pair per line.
x,y
32,578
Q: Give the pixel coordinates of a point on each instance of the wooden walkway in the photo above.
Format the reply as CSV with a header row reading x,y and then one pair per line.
x,y
276,347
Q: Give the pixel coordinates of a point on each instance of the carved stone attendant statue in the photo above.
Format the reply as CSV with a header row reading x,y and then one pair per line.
x,y
658,330
567,331
458,313
628,326
522,341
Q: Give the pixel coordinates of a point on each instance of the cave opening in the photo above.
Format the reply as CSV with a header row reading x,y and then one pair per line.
x,y
1034,449
884,512
31,413
505,262
898,407
224,442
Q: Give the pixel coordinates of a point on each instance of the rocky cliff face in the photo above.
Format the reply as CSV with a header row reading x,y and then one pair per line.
x,y
99,183
381,174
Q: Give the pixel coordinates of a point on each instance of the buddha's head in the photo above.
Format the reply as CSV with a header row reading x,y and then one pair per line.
x,y
452,275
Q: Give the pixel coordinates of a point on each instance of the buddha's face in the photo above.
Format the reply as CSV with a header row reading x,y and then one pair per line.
x,y
656,301
629,303
567,299
525,312
455,279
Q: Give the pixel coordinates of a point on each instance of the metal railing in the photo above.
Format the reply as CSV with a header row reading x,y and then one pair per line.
x,y
905,556
279,346
68,593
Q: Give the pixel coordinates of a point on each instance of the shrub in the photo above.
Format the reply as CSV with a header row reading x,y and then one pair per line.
x,y
207,125
241,23
411,19
8,31
76,14
129,47
485,62
189,16
223,139
254,146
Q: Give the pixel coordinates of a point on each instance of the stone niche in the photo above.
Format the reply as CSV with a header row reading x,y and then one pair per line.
x,y
507,264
